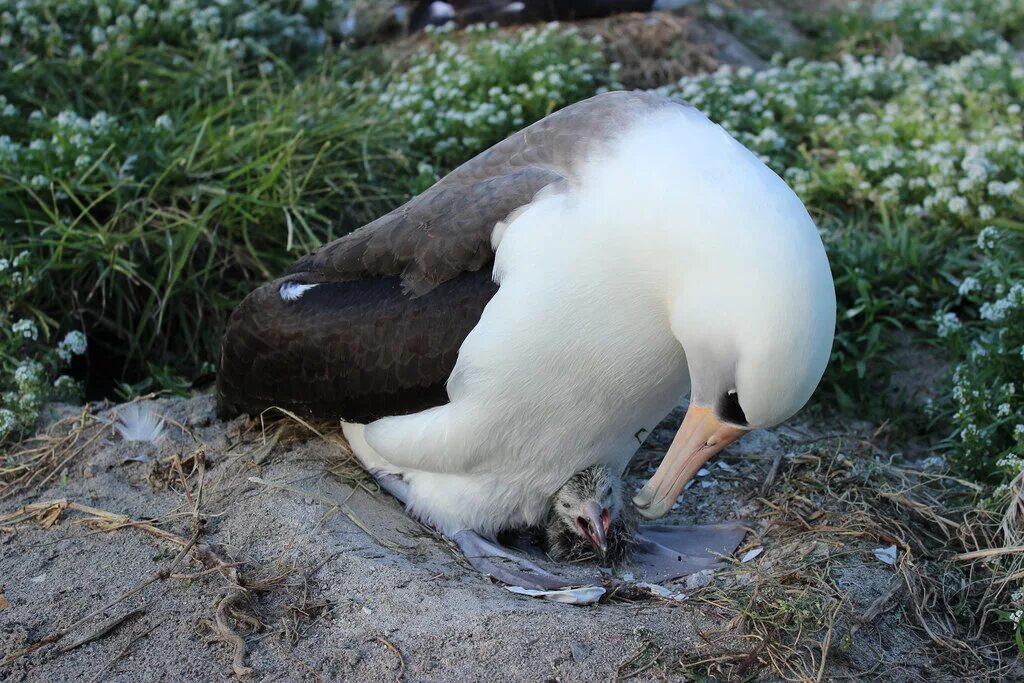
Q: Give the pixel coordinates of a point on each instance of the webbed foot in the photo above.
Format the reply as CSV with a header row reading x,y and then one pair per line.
x,y
497,561
664,552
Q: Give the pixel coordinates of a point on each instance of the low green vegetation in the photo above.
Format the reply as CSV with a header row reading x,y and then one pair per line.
x,y
459,96
30,370
149,225
74,29
931,29
985,333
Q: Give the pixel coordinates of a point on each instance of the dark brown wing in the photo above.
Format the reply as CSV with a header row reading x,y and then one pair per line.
x,y
380,332
356,350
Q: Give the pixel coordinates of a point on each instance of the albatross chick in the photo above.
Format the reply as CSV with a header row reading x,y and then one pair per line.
x,y
588,518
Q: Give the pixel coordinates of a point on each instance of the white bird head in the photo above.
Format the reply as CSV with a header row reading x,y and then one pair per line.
x,y
753,307
757,328
754,362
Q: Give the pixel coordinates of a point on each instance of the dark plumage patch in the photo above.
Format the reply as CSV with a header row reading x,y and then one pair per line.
x,y
729,409
355,350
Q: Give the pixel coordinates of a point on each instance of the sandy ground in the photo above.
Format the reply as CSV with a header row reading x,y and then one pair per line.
x,y
338,584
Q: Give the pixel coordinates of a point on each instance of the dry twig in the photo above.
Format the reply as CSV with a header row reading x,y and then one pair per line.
x,y
398,653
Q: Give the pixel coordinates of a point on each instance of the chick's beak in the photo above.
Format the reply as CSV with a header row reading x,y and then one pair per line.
x,y
593,523
701,436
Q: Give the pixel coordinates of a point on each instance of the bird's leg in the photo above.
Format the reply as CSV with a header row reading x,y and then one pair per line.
x,y
393,484
399,488
493,559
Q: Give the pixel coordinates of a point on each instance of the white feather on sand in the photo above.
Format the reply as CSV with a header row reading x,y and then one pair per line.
x,y
137,422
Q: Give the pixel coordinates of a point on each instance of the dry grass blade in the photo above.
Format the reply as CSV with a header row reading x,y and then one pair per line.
x,y
340,462
924,511
226,634
986,553
294,417
398,653
47,513
109,627
883,602
789,616
636,672
40,458
1012,524
772,472
827,643
101,675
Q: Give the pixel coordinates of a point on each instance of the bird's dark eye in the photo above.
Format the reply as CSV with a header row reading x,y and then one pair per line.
x,y
608,491
729,409
565,505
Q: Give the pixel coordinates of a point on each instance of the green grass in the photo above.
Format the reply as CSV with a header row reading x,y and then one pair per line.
x,y
152,242
885,277
937,30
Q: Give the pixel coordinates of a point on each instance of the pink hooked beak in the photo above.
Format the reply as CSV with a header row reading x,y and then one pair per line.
x,y
593,524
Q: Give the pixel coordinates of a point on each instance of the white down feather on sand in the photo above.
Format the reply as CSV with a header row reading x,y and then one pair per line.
x,y
138,422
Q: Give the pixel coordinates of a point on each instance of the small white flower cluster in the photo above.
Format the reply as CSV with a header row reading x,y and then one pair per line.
x,y
27,365
164,121
1014,613
1012,462
8,422
28,374
947,324
946,27
73,344
26,328
67,148
988,238
90,28
461,96
1000,308
968,285
926,143
989,405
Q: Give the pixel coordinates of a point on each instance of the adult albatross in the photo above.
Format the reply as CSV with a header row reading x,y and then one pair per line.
x,y
539,307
